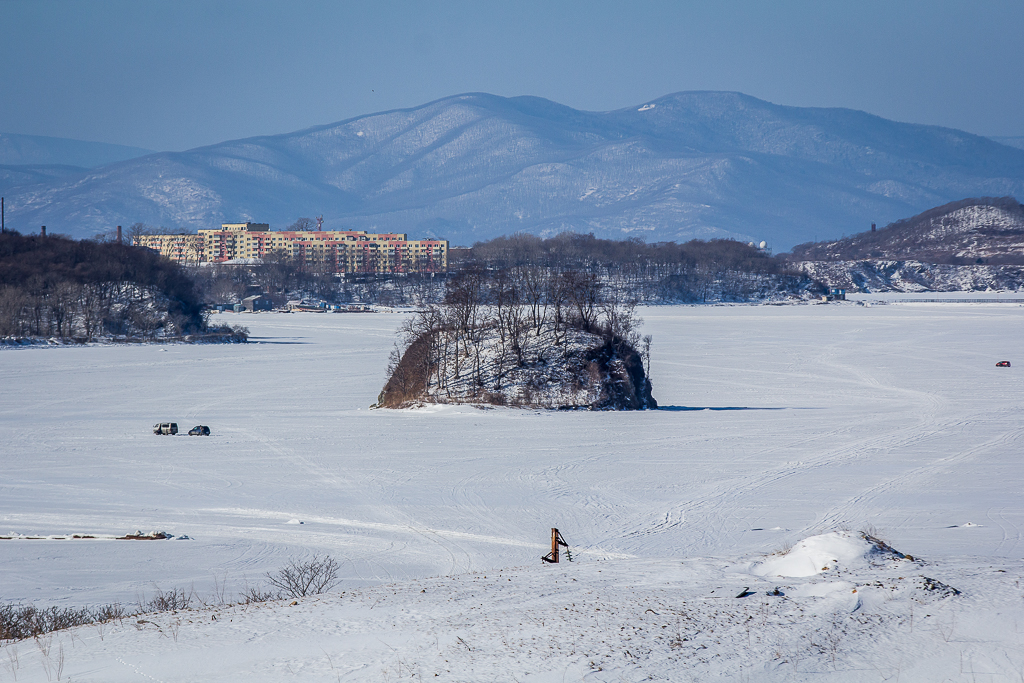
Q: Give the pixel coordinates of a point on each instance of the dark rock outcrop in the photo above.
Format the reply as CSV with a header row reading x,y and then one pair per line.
x,y
570,369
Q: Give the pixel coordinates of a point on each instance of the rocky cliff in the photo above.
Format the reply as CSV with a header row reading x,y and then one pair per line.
x,y
556,369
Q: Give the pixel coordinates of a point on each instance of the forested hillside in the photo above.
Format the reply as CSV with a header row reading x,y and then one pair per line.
x,y
86,290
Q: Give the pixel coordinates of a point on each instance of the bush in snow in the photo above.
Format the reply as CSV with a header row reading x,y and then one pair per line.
x,y
300,578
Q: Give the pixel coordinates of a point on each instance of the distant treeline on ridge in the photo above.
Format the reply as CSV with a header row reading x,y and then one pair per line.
x,y
662,272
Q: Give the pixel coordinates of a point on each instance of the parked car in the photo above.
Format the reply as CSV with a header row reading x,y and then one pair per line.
x,y
1003,364
199,430
165,428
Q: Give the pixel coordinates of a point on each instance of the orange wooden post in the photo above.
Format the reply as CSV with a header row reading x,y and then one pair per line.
x,y
556,540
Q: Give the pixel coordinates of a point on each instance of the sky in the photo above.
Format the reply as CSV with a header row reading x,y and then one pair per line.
x,y
175,75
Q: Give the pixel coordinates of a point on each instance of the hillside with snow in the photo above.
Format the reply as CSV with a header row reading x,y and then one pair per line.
x,y
979,230
881,275
474,166
969,245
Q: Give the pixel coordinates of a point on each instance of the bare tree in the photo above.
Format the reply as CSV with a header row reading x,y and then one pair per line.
x,y
13,302
583,291
466,295
620,320
195,248
137,230
63,299
558,299
534,290
306,577
302,225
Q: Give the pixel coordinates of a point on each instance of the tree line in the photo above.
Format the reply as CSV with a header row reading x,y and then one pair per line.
x,y
58,287
696,271
282,277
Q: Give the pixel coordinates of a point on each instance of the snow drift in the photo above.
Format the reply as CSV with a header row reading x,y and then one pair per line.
x,y
825,552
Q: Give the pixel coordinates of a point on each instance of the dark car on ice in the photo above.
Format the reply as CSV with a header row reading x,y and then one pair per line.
x,y
199,430
1003,364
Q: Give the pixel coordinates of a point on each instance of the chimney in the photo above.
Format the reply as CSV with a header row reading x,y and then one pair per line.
x,y
119,234
872,227
42,231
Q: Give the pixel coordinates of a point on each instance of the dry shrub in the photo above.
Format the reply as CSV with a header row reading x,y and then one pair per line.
x,y
28,621
305,577
168,601
254,594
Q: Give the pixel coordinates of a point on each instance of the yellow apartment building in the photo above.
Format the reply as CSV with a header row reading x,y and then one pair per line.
x,y
336,251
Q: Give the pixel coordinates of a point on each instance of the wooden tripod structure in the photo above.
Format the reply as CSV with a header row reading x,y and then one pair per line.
x,y
556,540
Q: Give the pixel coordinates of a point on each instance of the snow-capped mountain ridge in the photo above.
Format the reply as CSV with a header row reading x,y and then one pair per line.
x,y
473,166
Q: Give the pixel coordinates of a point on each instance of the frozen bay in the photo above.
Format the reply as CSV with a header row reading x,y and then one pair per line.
x,y
777,422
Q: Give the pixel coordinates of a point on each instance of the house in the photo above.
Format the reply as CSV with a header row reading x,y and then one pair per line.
x,y
259,302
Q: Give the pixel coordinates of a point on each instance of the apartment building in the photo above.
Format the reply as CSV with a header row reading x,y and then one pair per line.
x,y
337,251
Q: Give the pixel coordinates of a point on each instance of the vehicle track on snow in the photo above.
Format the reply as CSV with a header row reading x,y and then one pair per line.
x,y
709,511
913,478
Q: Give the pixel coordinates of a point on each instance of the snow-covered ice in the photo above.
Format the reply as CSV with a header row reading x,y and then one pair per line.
x,y
783,427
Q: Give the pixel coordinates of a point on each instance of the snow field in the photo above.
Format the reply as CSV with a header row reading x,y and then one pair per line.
x,y
780,423
618,620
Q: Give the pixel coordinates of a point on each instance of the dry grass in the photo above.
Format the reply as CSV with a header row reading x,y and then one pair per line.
x,y
298,579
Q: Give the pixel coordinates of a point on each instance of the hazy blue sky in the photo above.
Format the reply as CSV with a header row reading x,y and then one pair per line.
x,y
176,74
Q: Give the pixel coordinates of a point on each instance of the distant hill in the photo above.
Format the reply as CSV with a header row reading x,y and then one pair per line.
x,y
15,175
1017,142
475,166
971,231
40,150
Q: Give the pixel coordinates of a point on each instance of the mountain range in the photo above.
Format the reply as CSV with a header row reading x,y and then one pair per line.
x,y
31,159
475,166
40,150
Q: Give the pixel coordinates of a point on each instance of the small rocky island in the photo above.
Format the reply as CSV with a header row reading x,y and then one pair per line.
x,y
490,344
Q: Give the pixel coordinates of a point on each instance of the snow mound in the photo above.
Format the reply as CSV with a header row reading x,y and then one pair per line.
x,y
834,550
